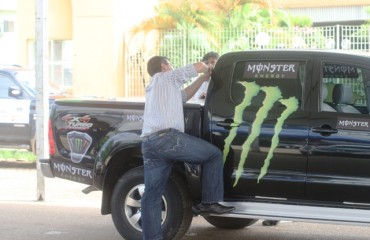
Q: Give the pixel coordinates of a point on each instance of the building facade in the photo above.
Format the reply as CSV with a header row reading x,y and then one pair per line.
x,y
86,42
87,46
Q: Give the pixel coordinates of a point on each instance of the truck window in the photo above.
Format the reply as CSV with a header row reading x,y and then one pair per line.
x,y
344,88
284,79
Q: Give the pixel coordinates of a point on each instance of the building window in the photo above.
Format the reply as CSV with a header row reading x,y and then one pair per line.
x,y
8,26
60,62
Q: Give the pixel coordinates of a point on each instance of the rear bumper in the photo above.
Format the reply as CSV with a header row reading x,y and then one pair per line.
x,y
46,168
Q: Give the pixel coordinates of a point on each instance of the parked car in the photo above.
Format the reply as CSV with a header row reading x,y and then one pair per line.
x,y
18,107
17,104
294,128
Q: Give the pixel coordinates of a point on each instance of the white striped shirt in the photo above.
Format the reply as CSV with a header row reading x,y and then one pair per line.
x,y
164,100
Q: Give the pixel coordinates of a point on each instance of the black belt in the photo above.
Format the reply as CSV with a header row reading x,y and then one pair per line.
x,y
158,134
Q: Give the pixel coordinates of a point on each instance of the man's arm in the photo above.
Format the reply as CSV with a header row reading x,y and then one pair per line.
x,y
193,88
179,76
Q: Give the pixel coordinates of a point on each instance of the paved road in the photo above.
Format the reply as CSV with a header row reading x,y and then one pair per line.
x,y
69,214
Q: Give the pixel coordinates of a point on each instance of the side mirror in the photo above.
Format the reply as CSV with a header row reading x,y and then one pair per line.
x,y
15,92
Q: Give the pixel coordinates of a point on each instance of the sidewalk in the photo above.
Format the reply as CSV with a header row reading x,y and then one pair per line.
x,y
18,182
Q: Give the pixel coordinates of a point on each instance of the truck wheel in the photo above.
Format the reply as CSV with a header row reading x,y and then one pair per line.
x,y
229,223
126,206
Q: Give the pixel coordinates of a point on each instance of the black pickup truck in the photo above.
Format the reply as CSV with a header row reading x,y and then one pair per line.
x,y
294,128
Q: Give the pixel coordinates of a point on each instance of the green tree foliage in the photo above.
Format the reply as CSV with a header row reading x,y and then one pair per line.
x,y
219,25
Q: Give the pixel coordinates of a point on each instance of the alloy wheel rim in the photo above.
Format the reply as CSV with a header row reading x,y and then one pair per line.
x,y
132,207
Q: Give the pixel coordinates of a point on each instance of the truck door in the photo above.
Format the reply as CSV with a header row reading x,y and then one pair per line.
x,y
339,153
258,119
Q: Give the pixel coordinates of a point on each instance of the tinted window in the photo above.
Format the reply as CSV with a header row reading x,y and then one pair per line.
x,y
271,80
344,88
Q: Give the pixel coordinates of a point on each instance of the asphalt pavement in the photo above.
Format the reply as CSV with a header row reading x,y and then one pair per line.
x,y
68,214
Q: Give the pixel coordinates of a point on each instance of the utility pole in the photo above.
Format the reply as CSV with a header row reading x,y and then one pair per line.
x,y
42,94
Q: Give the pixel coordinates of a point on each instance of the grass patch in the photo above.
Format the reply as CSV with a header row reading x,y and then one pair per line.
x,y
14,154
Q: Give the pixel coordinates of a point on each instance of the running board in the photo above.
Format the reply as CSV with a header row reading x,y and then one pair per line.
x,y
298,213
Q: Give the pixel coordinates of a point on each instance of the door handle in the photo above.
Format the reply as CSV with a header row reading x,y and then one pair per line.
x,y
325,130
227,124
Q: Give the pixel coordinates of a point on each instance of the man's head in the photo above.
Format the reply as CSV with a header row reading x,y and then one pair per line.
x,y
210,58
158,64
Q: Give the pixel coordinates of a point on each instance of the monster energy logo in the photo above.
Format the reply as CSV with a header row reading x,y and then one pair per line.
x,y
272,95
275,70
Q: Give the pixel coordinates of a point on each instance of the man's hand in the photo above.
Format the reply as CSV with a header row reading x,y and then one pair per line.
x,y
201,67
202,95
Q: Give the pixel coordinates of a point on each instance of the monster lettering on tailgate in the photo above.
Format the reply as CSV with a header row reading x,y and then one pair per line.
x,y
272,95
75,173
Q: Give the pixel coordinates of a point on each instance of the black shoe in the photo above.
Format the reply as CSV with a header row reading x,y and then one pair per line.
x,y
211,208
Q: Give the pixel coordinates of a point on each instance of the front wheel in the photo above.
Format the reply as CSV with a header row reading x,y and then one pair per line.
x,y
126,206
229,223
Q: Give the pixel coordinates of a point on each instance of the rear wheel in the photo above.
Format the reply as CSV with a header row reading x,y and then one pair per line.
x,y
229,223
126,206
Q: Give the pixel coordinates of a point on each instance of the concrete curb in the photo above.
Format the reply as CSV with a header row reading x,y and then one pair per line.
x,y
17,164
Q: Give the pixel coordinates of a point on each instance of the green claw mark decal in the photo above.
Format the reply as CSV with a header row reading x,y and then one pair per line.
x,y
272,95
251,90
291,105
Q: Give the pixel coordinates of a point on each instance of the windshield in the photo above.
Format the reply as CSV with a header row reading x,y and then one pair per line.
x,y
27,79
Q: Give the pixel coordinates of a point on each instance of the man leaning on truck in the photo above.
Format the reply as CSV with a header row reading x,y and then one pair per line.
x,y
165,142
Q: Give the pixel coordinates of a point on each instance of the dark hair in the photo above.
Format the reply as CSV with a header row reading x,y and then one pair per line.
x,y
210,55
154,65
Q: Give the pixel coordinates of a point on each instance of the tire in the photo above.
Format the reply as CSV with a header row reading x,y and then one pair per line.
x,y
126,204
229,223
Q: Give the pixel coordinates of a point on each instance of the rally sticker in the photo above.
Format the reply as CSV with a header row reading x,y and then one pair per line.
x,y
77,122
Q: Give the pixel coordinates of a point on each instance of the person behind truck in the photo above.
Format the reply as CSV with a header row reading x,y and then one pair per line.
x,y
210,60
165,142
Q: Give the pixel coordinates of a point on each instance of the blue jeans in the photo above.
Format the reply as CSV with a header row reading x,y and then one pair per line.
x,y
160,152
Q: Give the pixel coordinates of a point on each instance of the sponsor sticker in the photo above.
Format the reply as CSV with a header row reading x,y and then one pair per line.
x,y
339,71
79,143
275,70
133,117
77,122
353,124
73,172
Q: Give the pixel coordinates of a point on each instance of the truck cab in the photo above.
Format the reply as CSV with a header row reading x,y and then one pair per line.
x,y
294,126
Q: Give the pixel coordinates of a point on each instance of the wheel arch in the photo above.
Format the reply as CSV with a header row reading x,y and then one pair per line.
x,y
125,159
